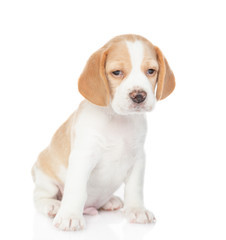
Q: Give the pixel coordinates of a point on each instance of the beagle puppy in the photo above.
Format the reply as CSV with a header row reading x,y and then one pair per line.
x,y
101,145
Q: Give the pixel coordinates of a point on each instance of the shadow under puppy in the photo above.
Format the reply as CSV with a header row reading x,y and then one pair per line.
x,y
101,145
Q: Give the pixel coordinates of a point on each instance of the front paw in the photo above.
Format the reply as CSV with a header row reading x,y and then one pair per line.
x,y
139,215
69,223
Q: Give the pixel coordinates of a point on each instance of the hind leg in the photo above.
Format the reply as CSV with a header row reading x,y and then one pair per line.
x,y
46,194
113,204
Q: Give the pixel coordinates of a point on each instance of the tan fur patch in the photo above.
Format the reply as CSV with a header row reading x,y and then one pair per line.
x,y
57,153
150,62
166,79
118,58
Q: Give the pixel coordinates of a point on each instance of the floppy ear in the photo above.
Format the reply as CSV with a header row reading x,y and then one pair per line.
x,y
166,80
93,84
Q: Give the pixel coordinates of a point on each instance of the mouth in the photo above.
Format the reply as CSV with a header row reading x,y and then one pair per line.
x,y
139,108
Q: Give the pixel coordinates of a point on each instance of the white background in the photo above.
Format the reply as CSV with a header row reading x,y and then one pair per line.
x,y
44,46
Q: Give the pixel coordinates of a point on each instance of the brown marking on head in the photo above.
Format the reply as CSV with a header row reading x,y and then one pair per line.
x,y
118,59
150,62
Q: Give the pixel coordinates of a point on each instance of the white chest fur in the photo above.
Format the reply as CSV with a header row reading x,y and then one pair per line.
x,y
114,141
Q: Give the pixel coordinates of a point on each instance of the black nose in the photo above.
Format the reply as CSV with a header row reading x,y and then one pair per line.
x,y
138,96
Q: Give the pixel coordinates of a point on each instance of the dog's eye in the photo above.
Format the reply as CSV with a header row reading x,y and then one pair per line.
x,y
151,71
117,73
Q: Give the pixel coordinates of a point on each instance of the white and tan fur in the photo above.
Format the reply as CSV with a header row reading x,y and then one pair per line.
x,y
101,145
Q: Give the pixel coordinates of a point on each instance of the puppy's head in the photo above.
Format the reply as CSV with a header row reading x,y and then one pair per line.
x,y
129,73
